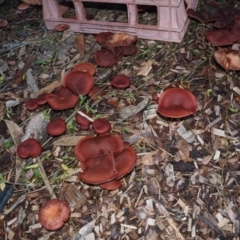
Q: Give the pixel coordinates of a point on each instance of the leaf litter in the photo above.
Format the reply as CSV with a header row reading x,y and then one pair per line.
x,y
186,182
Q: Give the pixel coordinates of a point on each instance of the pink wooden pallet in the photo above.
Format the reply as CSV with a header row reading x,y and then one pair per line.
x,y
172,19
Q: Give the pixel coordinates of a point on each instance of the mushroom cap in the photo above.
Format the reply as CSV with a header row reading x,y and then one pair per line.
x,y
54,214
121,81
29,148
62,99
103,36
42,98
99,169
196,15
82,120
111,185
56,127
96,92
3,22
23,6
31,104
177,103
221,37
229,59
91,146
121,40
105,58
125,161
101,126
129,50
85,67
61,27
79,82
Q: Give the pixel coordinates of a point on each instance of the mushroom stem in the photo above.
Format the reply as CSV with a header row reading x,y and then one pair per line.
x,y
84,115
45,178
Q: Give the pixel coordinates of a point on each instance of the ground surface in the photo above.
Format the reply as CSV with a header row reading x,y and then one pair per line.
x,y
186,181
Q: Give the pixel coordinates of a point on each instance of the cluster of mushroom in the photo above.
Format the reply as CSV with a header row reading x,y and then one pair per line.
x,y
176,102
226,31
114,46
104,158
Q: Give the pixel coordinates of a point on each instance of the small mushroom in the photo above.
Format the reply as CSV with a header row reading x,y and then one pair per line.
x,y
101,126
54,214
3,22
61,27
121,81
105,58
111,185
29,148
56,127
96,92
82,121
102,37
79,82
177,103
62,99
31,104
85,67
42,98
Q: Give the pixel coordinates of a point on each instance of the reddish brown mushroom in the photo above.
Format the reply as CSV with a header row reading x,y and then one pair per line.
x,y
91,146
177,103
85,67
96,92
79,82
121,81
99,169
29,148
111,185
54,214
82,121
103,36
42,98
31,104
62,99
61,27
23,6
56,127
129,50
101,126
221,37
3,22
105,58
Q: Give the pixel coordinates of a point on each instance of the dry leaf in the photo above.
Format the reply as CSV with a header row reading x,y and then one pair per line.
x,y
67,141
15,131
79,43
49,88
2,110
145,68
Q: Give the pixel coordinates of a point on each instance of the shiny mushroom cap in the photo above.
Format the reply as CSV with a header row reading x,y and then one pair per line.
x,y
56,127
177,103
101,126
105,58
29,148
121,81
31,104
54,214
85,67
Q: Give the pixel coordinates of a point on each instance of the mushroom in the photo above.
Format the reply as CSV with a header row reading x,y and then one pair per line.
x,y
29,148
54,214
221,37
96,92
85,67
56,127
121,81
61,27
82,121
229,59
129,50
91,146
3,22
101,126
105,58
42,98
102,37
62,99
176,103
23,6
99,169
31,104
111,185
79,82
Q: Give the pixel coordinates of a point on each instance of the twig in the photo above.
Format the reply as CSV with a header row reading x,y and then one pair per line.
x,y
45,179
84,115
